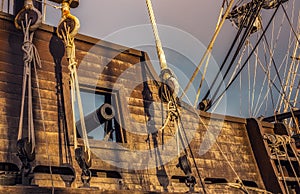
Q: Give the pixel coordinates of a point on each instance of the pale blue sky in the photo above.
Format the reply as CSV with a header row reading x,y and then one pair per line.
x,y
195,20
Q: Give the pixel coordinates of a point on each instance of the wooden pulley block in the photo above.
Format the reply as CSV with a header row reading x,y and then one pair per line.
x,y
30,13
82,158
184,164
24,149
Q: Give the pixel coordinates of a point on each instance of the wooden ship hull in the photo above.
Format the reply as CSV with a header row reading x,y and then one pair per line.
x,y
240,161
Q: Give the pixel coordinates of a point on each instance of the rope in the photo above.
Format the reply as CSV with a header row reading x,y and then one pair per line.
x,y
30,56
254,85
209,48
166,74
276,142
249,86
31,60
256,9
208,59
159,49
234,72
287,103
67,35
173,111
256,110
294,72
280,103
230,83
239,186
290,23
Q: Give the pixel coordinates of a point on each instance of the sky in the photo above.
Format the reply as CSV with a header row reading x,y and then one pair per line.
x,y
185,28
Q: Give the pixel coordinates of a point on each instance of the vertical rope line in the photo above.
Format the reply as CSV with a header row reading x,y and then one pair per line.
x,y
286,100
31,60
68,36
280,104
249,85
159,49
254,85
44,10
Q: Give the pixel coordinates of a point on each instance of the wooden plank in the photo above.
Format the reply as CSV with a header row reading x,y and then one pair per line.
x,y
282,116
262,157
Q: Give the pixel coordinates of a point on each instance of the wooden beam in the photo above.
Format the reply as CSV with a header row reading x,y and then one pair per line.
x,y
282,116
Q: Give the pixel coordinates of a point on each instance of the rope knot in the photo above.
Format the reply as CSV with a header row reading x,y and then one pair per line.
x,y
72,66
27,47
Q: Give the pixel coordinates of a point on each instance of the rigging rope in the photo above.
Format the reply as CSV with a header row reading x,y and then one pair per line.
x,y
209,48
208,57
159,49
28,20
254,12
229,51
288,104
169,94
278,145
254,85
28,24
290,23
166,74
280,100
231,82
67,30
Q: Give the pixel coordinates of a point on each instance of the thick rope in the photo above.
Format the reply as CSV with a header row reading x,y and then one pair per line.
x,y
159,49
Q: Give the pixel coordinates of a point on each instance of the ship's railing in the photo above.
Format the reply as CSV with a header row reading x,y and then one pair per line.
x,y
7,6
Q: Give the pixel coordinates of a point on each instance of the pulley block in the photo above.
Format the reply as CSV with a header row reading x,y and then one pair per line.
x,y
84,163
170,83
82,157
32,15
185,165
25,151
68,25
190,182
204,105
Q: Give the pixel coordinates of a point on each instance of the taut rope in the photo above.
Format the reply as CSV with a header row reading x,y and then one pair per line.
x,y
28,20
67,30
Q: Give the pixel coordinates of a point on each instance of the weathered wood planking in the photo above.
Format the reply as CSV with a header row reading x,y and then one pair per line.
x,y
117,68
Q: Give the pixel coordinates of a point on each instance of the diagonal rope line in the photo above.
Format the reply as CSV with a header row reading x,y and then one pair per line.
x,y
209,48
230,83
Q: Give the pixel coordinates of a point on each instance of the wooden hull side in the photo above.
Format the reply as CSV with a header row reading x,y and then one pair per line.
x,y
105,65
